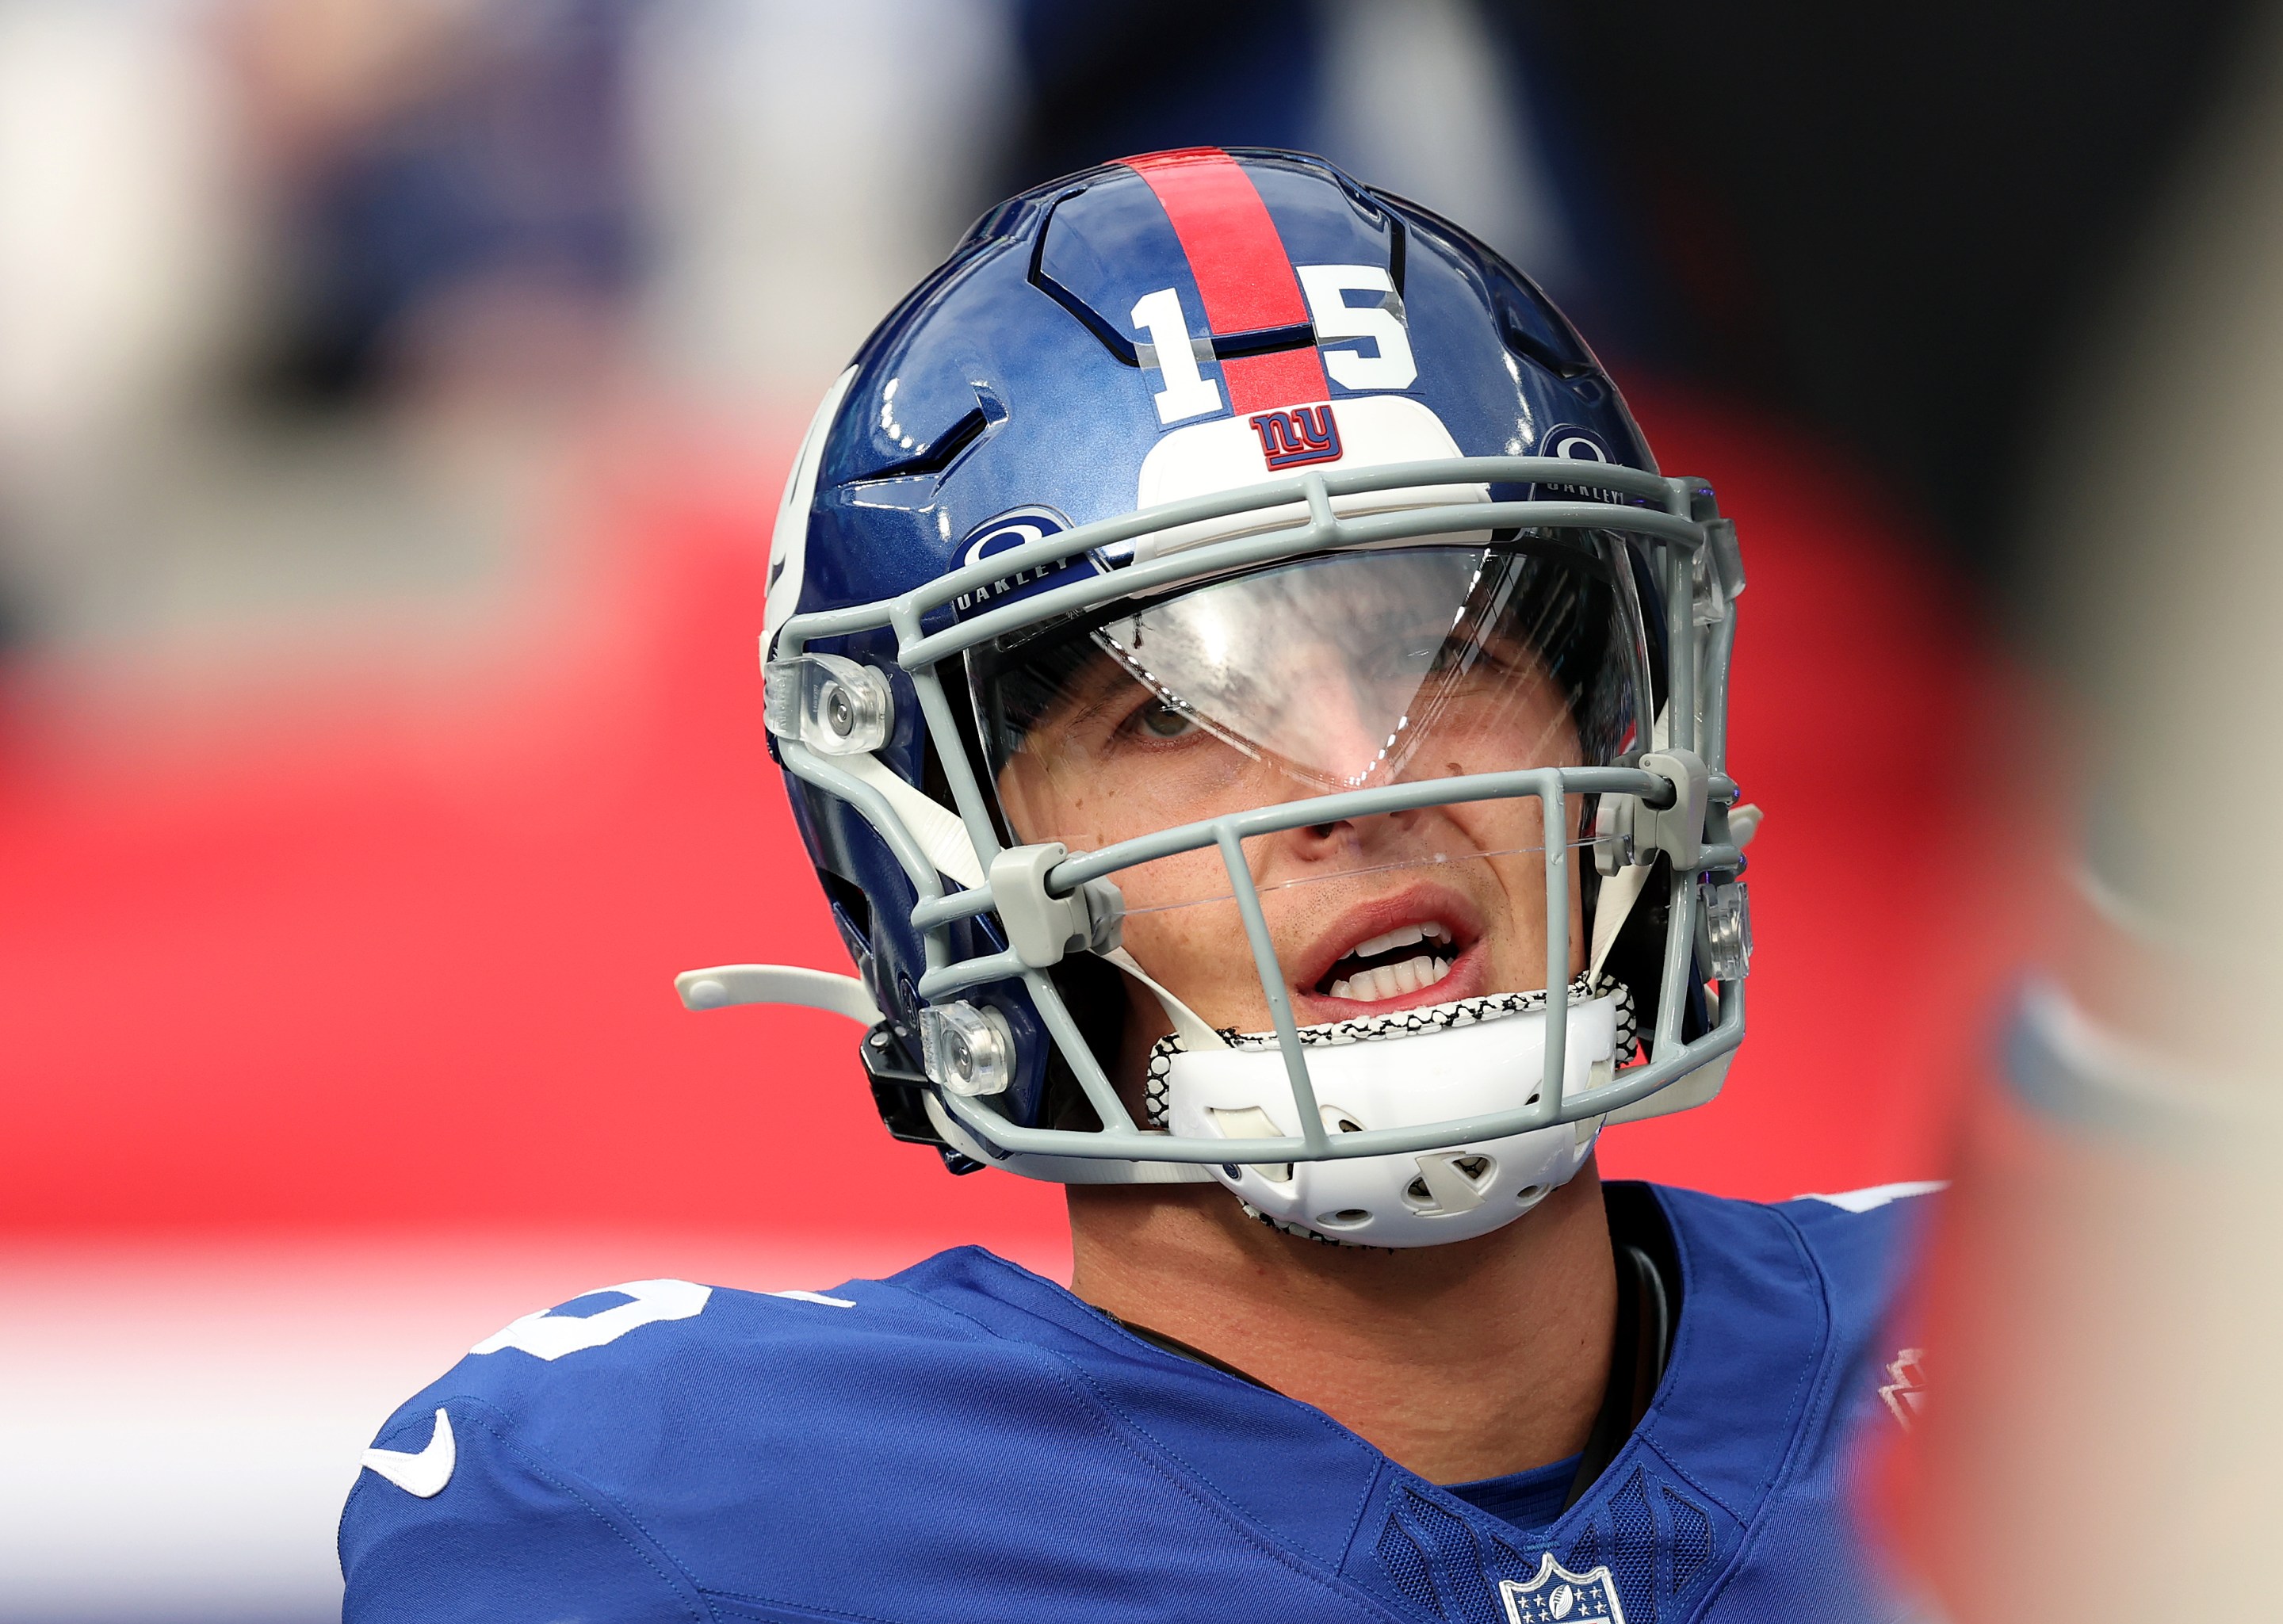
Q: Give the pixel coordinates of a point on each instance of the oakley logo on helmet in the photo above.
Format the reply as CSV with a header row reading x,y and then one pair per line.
x,y
1004,534
1573,444
1304,434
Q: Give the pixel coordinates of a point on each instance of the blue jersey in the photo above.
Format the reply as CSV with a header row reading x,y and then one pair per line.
x,y
968,1443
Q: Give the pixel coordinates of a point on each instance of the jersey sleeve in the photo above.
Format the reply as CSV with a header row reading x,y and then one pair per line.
x,y
507,1535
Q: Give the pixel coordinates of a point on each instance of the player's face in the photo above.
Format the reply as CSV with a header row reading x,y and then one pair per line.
x,y
1300,683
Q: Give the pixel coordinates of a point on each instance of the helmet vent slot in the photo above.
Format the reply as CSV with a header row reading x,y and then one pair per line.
x,y
938,456
1244,1122
1450,1184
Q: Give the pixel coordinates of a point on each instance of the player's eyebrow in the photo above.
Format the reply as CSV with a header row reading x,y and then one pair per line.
x,y
1095,687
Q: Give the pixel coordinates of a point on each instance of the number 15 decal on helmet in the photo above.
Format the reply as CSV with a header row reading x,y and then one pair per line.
x,y
1170,349
1236,738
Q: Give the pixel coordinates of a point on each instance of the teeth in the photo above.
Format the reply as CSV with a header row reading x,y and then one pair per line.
x,y
1390,981
1402,935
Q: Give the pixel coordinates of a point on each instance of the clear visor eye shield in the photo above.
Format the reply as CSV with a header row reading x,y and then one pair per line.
x,y
1312,763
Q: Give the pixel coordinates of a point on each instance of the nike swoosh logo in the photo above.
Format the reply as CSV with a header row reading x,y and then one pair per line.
x,y
424,1474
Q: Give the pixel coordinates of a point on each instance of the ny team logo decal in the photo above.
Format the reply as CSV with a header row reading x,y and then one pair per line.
x,y
1557,1595
1304,434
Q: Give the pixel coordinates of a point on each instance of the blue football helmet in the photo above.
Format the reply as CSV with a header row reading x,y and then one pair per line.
x,y
1208,625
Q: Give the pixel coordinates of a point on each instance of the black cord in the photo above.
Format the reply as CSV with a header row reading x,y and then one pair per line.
x,y
1648,1303
1174,1345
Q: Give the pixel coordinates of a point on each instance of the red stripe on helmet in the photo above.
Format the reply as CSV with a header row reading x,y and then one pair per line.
x,y
1242,273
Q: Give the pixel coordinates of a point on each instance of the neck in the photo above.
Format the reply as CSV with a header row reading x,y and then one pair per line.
x,y
1465,1361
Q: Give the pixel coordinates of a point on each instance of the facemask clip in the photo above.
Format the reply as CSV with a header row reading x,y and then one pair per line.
x,y
1042,927
1628,833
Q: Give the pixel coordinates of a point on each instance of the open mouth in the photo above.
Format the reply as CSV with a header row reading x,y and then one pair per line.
x,y
1423,944
1408,959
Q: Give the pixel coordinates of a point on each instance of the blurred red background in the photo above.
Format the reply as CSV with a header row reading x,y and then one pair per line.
x,y
392,955
393,401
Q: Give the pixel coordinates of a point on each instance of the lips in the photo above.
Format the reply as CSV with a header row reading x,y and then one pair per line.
x,y
1421,946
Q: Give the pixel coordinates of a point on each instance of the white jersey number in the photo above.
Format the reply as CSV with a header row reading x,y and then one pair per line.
x,y
550,1335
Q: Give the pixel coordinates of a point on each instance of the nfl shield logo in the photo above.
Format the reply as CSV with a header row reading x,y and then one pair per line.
x,y
1559,1596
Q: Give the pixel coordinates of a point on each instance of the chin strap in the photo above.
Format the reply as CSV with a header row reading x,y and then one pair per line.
x,y
1614,901
727,984
1190,1030
934,826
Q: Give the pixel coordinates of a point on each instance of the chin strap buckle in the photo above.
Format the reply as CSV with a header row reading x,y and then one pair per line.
x,y
1727,930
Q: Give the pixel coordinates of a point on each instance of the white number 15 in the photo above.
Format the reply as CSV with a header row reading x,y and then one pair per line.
x,y
1187,391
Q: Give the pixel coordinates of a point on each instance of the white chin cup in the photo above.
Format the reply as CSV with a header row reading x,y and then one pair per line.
x,y
1401,1080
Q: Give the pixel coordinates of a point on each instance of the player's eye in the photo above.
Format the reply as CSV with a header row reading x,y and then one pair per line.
x,y
1157,719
